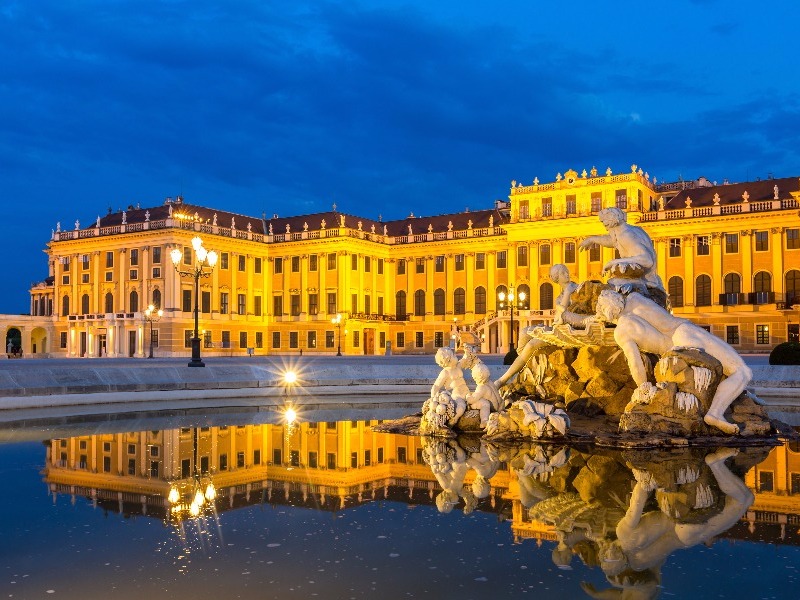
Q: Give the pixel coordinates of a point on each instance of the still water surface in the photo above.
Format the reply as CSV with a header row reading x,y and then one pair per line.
x,y
331,509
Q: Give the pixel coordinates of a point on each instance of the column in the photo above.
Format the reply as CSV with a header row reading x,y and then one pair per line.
x,y
469,265
746,242
776,247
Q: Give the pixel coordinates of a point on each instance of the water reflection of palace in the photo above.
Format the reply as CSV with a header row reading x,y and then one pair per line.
x,y
336,465
327,466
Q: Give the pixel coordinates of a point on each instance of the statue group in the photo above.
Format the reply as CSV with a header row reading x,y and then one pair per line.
x,y
614,348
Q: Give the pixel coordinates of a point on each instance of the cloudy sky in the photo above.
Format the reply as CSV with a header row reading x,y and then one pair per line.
x,y
381,106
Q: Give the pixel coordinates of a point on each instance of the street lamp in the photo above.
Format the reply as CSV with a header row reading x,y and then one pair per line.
x,y
203,265
192,499
337,320
151,315
510,298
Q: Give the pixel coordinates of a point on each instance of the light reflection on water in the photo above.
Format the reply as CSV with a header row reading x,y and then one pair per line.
x,y
331,509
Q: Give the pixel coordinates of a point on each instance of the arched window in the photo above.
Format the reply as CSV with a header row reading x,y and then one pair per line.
x,y
523,303
134,307
792,287
702,290
762,282
438,302
419,303
675,289
65,306
459,301
109,302
732,283
480,300
85,304
546,296
400,305
157,299
501,289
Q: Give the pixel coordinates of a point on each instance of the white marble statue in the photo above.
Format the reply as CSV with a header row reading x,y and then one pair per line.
x,y
527,342
644,326
451,377
637,261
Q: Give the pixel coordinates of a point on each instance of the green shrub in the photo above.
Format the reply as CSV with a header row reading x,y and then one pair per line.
x,y
787,353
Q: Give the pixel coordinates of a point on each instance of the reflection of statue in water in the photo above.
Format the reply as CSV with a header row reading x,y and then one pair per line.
x,y
644,326
527,342
636,265
646,539
450,464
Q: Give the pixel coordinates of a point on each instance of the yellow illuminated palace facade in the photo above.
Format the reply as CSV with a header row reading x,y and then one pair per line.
x,y
729,256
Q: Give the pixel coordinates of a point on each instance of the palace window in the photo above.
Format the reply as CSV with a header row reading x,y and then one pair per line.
x,y
329,339
621,199
156,273
438,301
109,260
205,302
569,252
792,287
792,239
354,262
257,265
134,257
400,339
277,306
223,303
524,209
501,259
572,205
420,263
313,304
419,340
732,334
762,241
702,291
438,339
109,302
259,343
762,334
380,305
731,243
354,303
438,264
242,339
331,303
294,340
522,256
223,260
367,264
480,261
241,301
380,266
401,266
294,302
367,304
356,339
674,247
547,207
459,301
594,253
311,339
156,250
400,304
134,297
546,296
331,261
480,300
295,264
257,302
703,244
133,275
419,303
459,262
242,260
226,339
544,254
312,262
276,341
675,290
597,202
277,265
85,304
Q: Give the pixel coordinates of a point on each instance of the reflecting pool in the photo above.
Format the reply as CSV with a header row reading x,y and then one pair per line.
x,y
303,507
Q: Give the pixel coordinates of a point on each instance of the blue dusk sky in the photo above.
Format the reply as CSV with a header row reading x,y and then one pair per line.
x,y
384,107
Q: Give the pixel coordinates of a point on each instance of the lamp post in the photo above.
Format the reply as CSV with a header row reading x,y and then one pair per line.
x,y
200,494
151,315
337,320
510,298
202,266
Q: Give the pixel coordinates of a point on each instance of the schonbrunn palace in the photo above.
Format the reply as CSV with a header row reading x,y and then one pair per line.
x,y
729,256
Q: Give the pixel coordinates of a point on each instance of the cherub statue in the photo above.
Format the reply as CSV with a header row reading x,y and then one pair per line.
x,y
451,377
485,398
270,229
214,220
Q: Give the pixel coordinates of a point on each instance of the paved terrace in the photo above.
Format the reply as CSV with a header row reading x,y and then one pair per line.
x,y
48,383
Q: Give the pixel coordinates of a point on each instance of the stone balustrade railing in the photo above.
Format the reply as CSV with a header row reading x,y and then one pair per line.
x,y
720,209
292,236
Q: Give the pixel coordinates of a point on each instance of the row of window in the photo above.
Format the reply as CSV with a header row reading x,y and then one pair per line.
x,y
732,289
731,243
571,204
